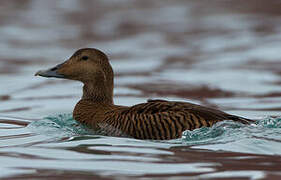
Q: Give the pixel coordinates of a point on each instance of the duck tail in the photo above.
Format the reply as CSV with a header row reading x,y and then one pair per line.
x,y
241,119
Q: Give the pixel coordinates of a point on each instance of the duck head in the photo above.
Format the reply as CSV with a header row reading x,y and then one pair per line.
x,y
91,67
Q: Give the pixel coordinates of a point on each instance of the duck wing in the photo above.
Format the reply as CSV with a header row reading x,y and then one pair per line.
x,y
162,120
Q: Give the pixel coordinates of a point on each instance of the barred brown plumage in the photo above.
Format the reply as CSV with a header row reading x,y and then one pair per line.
x,y
155,119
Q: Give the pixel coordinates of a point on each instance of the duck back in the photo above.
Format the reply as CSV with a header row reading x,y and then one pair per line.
x,y
156,119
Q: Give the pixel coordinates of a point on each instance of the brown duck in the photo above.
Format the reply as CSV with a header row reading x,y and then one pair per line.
x,y
155,119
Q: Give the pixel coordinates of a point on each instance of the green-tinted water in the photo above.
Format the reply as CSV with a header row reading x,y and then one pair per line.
x,y
221,54
262,134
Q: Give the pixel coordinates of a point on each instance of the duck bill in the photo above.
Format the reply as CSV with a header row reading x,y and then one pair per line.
x,y
52,72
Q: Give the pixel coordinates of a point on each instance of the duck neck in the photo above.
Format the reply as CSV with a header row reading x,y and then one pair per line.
x,y
98,92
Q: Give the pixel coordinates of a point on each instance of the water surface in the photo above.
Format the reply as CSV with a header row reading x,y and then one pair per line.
x,y
219,55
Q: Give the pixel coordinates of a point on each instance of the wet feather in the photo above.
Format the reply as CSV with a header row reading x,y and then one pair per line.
x,y
155,119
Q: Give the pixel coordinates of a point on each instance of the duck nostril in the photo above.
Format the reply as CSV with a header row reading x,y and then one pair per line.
x,y
54,68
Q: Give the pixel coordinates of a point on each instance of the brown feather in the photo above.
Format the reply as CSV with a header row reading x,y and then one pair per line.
x,y
152,120
155,119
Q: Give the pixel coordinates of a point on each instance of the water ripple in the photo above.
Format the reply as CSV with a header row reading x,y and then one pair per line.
x,y
256,137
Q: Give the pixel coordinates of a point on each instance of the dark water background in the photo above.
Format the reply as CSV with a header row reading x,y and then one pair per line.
x,y
222,54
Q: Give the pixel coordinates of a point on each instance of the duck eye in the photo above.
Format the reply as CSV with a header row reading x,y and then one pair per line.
x,y
85,58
